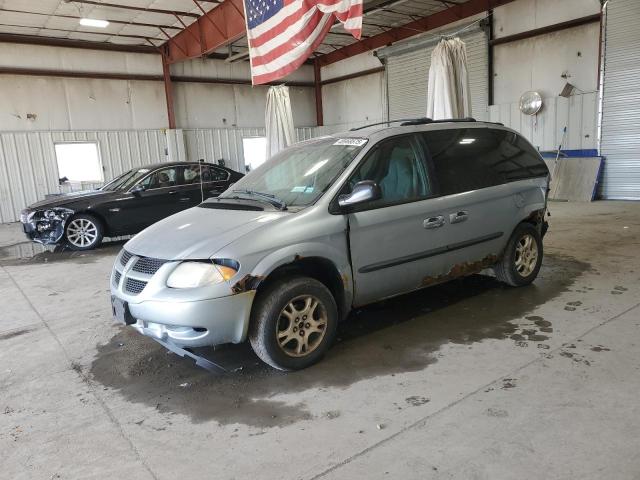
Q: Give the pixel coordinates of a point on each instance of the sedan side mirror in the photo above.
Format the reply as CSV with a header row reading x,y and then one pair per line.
x,y
364,191
138,189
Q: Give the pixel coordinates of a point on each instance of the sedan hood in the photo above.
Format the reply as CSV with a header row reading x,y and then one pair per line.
x,y
68,199
197,233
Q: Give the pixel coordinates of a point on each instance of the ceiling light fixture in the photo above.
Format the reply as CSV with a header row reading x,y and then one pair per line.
x,y
92,22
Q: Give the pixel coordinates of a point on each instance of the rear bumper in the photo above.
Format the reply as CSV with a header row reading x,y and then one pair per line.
x,y
197,323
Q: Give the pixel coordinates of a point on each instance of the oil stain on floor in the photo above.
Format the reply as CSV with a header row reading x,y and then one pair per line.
x,y
395,336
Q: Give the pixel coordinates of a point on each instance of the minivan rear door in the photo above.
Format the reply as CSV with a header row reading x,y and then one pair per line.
x,y
475,169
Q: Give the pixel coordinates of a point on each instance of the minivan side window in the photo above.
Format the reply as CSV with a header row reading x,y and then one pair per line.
x,y
466,159
396,166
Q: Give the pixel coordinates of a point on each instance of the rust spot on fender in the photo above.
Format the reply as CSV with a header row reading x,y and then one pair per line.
x,y
246,283
461,270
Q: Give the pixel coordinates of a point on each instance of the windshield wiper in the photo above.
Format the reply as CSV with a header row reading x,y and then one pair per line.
x,y
272,199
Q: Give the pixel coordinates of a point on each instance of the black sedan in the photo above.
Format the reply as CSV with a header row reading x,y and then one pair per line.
x,y
125,205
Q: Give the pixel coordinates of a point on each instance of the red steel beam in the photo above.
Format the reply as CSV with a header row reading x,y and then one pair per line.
x,y
424,24
217,27
168,91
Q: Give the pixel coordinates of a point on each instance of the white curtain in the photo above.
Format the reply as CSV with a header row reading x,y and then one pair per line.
x,y
448,90
279,120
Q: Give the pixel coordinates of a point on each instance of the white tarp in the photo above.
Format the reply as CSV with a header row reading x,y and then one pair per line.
x,y
448,89
279,121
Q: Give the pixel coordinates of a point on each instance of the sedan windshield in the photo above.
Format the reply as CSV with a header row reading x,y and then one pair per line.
x,y
299,175
126,180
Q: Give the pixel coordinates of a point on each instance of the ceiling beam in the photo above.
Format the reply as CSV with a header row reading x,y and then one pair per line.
x,y
214,29
138,9
106,34
72,17
424,24
69,43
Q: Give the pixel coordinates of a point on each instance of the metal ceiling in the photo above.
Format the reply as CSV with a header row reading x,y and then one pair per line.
x,y
151,22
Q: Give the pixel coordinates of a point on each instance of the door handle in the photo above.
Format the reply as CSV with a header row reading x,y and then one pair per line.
x,y
458,217
433,222
172,192
184,199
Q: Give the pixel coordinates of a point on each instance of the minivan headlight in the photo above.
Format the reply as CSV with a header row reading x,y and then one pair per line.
x,y
198,274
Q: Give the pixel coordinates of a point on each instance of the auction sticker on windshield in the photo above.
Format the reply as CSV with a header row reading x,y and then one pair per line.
x,y
355,142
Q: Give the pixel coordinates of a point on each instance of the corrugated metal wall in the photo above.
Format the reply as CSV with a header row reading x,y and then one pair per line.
x,y
578,113
408,75
620,142
29,171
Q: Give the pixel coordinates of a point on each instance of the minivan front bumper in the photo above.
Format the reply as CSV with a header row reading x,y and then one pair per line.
x,y
195,324
186,318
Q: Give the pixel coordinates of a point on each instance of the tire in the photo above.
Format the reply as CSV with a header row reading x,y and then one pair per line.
x,y
517,270
276,310
83,232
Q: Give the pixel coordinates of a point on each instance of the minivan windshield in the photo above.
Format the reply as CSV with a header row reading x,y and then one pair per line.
x,y
126,180
299,175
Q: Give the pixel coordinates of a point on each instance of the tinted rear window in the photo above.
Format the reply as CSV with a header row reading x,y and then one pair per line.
x,y
472,158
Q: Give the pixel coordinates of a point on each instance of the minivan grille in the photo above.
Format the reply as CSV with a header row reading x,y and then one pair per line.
x,y
134,286
148,265
125,257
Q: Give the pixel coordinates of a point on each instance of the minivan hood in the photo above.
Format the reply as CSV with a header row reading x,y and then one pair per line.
x,y
197,233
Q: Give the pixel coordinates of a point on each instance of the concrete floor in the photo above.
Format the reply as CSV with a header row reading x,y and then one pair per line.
x,y
465,380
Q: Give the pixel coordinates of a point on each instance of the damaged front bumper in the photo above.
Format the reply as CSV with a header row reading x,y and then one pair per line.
x,y
45,226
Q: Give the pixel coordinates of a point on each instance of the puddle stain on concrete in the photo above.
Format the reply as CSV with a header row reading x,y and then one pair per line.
x,y
25,253
399,335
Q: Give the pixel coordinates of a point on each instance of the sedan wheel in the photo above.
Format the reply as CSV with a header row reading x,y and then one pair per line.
x,y
84,232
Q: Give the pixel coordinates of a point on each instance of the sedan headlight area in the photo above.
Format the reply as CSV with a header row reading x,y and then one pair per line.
x,y
45,226
198,274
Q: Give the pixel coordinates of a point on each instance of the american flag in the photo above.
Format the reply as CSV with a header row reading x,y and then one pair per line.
x,y
282,34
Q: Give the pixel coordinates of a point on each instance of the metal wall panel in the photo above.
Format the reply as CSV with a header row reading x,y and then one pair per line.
x,y
620,128
29,171
213,144
544,131
408,75
28,167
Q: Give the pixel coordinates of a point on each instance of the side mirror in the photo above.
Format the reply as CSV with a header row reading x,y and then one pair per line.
x,y
138,189
364,191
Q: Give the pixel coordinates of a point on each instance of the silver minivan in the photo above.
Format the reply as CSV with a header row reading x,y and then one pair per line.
x,y
331,224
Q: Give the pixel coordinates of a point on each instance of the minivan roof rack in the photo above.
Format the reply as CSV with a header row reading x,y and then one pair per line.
x,y
421,121
415,121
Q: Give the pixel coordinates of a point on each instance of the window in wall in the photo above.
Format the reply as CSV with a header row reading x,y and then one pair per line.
x,y
79,162
255,151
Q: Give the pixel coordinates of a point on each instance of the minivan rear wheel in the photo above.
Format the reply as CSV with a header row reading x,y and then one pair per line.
x,y
522,258
293,323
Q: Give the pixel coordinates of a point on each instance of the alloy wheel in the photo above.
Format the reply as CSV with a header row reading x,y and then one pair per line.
x,y
526,255
301,326
82,232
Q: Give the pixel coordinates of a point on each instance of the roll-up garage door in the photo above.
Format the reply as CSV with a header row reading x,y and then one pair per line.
x,y
408,73
620,134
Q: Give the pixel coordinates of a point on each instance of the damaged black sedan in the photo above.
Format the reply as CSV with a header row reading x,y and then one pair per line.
x,y
124,206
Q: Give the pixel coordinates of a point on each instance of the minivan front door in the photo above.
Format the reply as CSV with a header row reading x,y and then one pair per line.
x,y
396,242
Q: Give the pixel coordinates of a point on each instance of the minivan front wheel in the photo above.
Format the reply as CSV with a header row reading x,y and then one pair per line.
x,y
293,323
522,258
